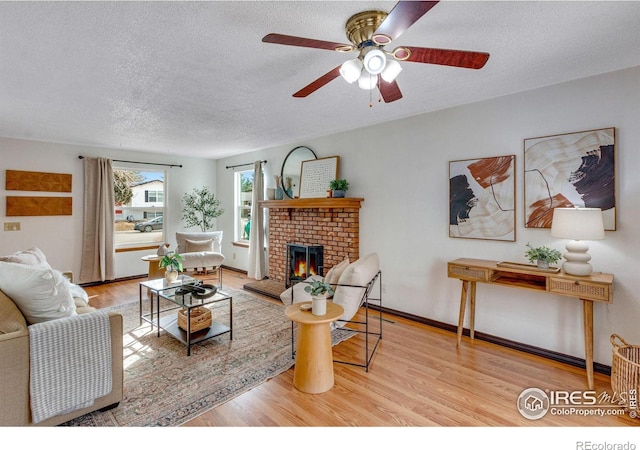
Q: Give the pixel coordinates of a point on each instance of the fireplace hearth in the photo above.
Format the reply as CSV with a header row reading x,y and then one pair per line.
x,y
303,261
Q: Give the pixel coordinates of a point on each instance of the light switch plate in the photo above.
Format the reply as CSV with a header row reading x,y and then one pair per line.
x,y
12,226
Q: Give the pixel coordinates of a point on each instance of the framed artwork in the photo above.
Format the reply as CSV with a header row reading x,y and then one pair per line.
x,y
315,176
566,170
482,198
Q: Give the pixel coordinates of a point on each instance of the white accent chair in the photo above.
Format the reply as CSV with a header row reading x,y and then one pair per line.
x,y
202,251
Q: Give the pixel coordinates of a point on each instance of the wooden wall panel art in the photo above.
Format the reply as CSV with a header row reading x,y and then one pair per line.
x,y
20,180
38,206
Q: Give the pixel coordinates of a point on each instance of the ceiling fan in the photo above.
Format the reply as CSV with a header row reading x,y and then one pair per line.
x,y
369,32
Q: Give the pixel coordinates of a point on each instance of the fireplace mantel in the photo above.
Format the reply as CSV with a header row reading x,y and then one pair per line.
x,y
298,203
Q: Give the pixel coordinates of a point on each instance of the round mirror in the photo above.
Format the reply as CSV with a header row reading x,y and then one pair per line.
x,y
291,168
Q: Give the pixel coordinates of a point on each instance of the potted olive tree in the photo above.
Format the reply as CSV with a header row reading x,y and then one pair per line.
x,y
201,207
542,255
319,291
338,188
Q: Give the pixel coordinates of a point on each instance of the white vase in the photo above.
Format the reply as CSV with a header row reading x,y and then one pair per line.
x,y
171,275
318,305
543,265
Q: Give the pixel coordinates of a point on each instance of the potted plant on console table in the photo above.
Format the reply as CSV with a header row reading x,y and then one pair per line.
x,y
543,255
319,291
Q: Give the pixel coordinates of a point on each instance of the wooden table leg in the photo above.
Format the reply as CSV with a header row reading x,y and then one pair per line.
x,y
463,303
313,372
472,310
588,340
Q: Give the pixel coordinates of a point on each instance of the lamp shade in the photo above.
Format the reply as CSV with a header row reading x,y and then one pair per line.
x,y
392,70
351,69
577,224
374,61
367,81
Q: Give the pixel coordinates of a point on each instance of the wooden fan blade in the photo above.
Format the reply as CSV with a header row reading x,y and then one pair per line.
x,y
390,92
401,17
444,57
317,84
296,41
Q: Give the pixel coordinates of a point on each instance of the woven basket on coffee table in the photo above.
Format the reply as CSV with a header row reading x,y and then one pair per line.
x,y
200,319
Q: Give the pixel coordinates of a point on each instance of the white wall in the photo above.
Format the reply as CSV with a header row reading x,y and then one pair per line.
x,y
401,169
60,237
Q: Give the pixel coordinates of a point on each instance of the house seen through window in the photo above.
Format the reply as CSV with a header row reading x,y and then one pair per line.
x,y
139,207
243,197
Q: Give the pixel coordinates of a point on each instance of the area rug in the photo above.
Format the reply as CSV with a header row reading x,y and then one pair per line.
x,y
270,288
165,387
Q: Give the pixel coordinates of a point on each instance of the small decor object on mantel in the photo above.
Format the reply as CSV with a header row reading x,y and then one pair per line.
x,y
172,263
319,291
338,188
542,255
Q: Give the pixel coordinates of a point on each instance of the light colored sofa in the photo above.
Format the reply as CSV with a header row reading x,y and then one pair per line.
x,y
202,251
15,364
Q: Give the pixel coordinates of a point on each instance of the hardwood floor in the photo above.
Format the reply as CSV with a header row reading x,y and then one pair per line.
x,y
418,378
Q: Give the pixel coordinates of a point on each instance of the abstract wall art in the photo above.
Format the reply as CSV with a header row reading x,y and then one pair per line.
x,y
566,170
482,198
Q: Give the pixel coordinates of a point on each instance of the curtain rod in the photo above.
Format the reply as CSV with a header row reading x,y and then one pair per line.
x,y
240,165
140,162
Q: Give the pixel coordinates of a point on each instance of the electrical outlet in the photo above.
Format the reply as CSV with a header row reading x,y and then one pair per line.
x,y
12,226
234,256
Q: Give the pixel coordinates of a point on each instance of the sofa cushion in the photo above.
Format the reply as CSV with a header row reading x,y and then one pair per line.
x,y
358,273
11,319
32,257
40,294
182,236
198,246
296,293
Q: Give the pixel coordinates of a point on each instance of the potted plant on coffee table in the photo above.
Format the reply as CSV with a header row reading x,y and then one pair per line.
x,y
319,291
338,187
542,255
172,263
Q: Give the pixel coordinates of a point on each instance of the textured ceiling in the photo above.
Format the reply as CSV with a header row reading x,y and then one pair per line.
x,y
194,78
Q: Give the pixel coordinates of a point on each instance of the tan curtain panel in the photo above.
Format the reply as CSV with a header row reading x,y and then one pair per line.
x,y
98,248
257,257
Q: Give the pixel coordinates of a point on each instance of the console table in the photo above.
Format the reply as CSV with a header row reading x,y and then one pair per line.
x,y
598,287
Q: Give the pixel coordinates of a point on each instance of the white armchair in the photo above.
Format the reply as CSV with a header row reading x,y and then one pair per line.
x,y
202,251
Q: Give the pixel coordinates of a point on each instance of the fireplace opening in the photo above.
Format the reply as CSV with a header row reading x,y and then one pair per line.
x,y
303,261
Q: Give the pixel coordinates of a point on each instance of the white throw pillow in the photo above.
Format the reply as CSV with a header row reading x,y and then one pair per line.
x,y
41,294
32,257
334,274
198,246
358,273
296,293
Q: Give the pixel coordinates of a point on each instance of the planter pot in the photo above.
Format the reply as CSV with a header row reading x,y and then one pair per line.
x,y
543,264
338,194
318,305
171,275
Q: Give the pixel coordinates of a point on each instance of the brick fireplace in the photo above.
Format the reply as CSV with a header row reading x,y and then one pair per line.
x,y
332,223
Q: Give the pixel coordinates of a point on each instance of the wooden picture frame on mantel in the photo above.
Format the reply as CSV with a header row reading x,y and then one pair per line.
x,y
315,176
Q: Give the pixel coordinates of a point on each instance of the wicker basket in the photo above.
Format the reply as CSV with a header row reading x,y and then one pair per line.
x,y
200,319
625,372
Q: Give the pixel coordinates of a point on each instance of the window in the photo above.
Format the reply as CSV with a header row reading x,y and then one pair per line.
x,y
243,188
139,208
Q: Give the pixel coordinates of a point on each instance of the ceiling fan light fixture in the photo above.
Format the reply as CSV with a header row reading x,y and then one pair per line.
x,y
392,70
375,61
367,81
351,69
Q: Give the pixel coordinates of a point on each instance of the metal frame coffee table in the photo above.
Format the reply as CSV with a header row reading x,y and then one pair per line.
x,y
154,287
169,322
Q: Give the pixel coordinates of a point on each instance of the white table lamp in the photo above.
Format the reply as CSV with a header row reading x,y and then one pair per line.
x,y
577,224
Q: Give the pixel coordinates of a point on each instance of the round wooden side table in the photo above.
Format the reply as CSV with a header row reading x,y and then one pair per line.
x,y
154,270
313,372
